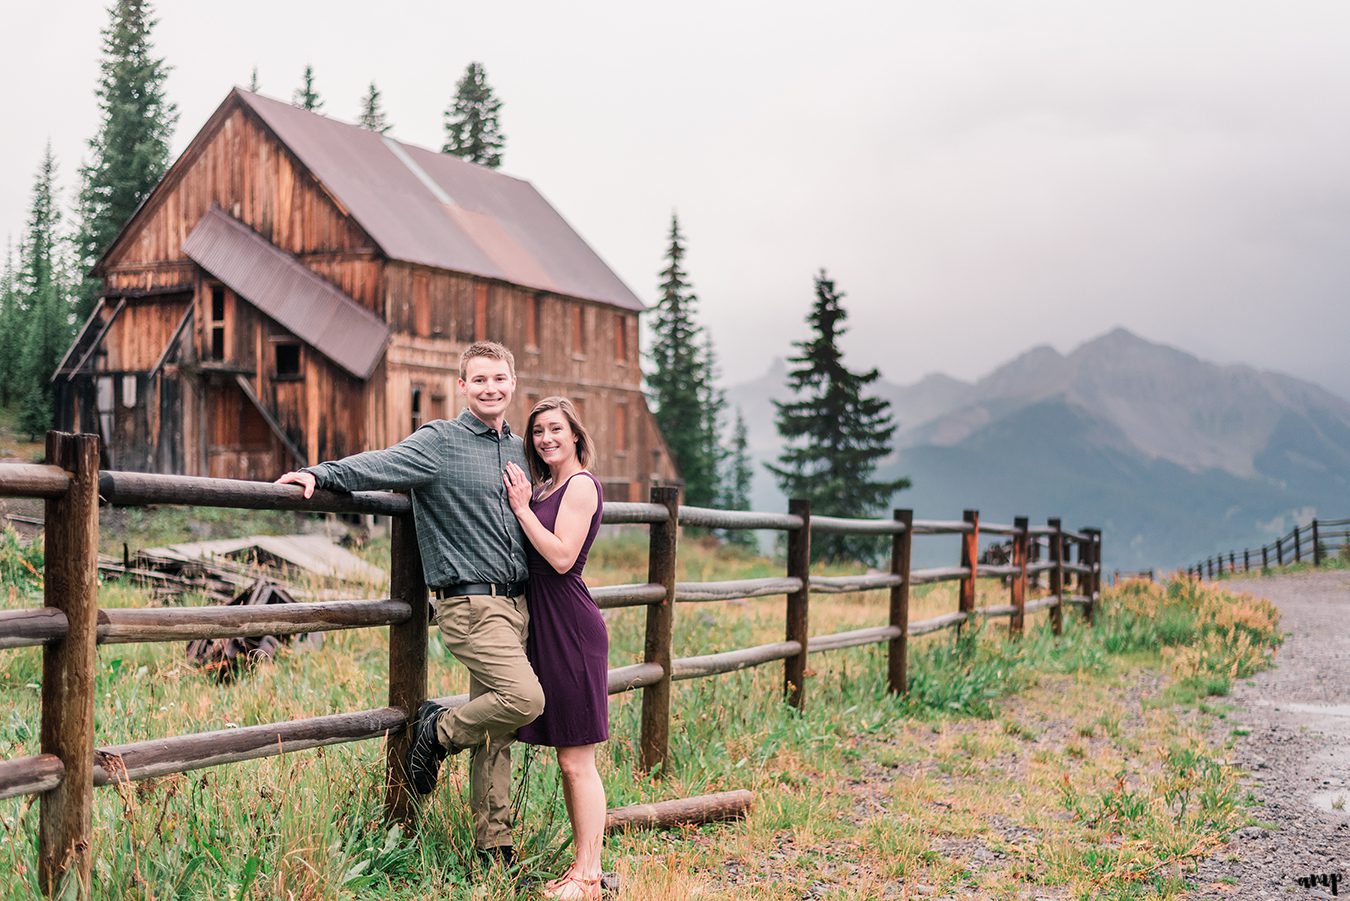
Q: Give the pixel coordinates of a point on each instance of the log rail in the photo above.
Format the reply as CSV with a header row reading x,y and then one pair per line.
x,y
69,767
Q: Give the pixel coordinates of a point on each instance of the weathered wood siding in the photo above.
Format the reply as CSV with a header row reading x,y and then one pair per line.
x,y
562,345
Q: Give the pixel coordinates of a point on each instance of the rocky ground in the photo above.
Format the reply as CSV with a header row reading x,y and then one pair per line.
x,y
1292,728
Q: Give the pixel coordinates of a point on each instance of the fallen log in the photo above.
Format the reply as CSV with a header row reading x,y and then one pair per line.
x,y
681,811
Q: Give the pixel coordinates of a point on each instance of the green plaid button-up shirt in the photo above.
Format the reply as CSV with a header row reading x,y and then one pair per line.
x,y
452,469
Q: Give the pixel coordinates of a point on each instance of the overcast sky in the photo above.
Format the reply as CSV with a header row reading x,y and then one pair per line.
x,y
978,177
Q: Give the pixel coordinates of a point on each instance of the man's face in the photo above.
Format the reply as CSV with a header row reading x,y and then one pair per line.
x,y
488,385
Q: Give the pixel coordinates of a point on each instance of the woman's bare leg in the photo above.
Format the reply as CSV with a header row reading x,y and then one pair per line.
x,y
584,794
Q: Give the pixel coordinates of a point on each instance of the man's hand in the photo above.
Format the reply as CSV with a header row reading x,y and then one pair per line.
x,y
304,479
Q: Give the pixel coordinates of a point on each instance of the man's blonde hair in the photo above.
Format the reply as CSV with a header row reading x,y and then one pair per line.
x,y
489,349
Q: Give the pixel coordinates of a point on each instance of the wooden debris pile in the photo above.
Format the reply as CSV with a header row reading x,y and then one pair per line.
x,y
229,658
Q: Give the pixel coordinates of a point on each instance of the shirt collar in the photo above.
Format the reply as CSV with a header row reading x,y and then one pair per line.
x,y
478,427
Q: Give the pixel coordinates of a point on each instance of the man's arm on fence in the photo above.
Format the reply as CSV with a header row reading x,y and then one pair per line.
x,y
412,463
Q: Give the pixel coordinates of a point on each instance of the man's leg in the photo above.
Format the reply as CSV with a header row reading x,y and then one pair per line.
x,y
487,634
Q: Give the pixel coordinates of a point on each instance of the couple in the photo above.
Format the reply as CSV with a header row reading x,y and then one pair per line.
x,y
487,530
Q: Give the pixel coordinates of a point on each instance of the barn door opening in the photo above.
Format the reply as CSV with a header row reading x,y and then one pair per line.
x,y
241,445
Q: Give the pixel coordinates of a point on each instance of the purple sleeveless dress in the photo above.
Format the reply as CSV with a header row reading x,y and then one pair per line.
x,y
568,644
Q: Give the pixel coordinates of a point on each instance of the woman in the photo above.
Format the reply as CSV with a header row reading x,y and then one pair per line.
x,y
558,506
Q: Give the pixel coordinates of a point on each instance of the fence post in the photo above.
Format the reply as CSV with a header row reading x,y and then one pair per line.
x,y
798,603
1298,546
1209,568
1057,575
655,739
1279,550
70,584
407,664
1017,624
1246,560
897,658
970,553
1265,557
1317,545
1094,561
1034,556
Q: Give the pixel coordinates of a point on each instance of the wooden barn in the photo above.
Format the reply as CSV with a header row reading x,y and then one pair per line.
x,y
297,289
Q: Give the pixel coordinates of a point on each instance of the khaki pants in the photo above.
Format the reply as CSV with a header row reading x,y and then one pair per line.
x,y
487,635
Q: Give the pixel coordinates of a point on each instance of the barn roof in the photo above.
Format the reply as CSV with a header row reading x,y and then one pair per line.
x,y
285,289
438,210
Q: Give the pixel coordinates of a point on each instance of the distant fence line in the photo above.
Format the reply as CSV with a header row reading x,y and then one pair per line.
x,y
1314,541
71,625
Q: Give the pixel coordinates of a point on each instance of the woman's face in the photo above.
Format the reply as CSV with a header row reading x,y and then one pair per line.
x,y
553,438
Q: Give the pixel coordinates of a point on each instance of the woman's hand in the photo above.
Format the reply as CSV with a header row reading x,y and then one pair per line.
x,y
518,488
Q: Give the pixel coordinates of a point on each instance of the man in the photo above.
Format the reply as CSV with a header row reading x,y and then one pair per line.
x,y
473,557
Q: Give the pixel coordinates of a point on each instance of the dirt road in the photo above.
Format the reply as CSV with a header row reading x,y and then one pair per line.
x,y
1292,728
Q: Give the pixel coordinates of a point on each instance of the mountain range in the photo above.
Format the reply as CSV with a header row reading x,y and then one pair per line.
x,y
1172,457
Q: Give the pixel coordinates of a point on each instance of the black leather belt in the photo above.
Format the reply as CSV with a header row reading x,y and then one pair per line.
x,y
496,589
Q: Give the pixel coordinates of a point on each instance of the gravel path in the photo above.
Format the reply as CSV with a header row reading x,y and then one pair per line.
x,y
1296,749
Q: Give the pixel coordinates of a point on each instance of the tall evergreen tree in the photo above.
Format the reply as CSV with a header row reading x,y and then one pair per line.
x,y
10,325
372,113
685,400
253,81
737,480
306,96
42,299
472,128
130,151
834,434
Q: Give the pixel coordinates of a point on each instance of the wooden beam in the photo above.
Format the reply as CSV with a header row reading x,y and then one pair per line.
x,y
271,422
173,342
103,333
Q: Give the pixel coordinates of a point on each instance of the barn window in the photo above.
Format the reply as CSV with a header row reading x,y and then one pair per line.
x,y
480,313
217,322
287,359
128,390
578,332
620,338
532,321
417,416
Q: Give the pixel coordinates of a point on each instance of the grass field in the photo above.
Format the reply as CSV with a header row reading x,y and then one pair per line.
x,y
1070,767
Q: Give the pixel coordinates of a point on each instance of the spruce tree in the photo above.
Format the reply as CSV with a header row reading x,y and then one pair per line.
x,y
306,97
834,434
372,115
10,322
472,128
686,403
42,299
737,481
130,152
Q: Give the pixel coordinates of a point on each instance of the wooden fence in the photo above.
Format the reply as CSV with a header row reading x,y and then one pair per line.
x,y
71,625
1314,542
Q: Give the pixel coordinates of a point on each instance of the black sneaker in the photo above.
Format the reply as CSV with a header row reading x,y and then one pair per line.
x,y
423,762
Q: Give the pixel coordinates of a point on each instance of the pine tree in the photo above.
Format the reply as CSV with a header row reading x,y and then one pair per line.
x,y
686,403
372,115
306,97
834,434
472,129
253,81
10,322
42,298
737,481
130,151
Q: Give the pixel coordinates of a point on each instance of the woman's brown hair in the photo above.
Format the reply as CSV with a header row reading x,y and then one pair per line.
x,y
585,449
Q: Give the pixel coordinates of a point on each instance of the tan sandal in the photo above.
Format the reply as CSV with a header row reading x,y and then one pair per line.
x,y
574,888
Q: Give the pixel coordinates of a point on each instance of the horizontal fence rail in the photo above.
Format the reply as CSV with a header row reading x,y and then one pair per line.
x,y
71,624
1313,542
